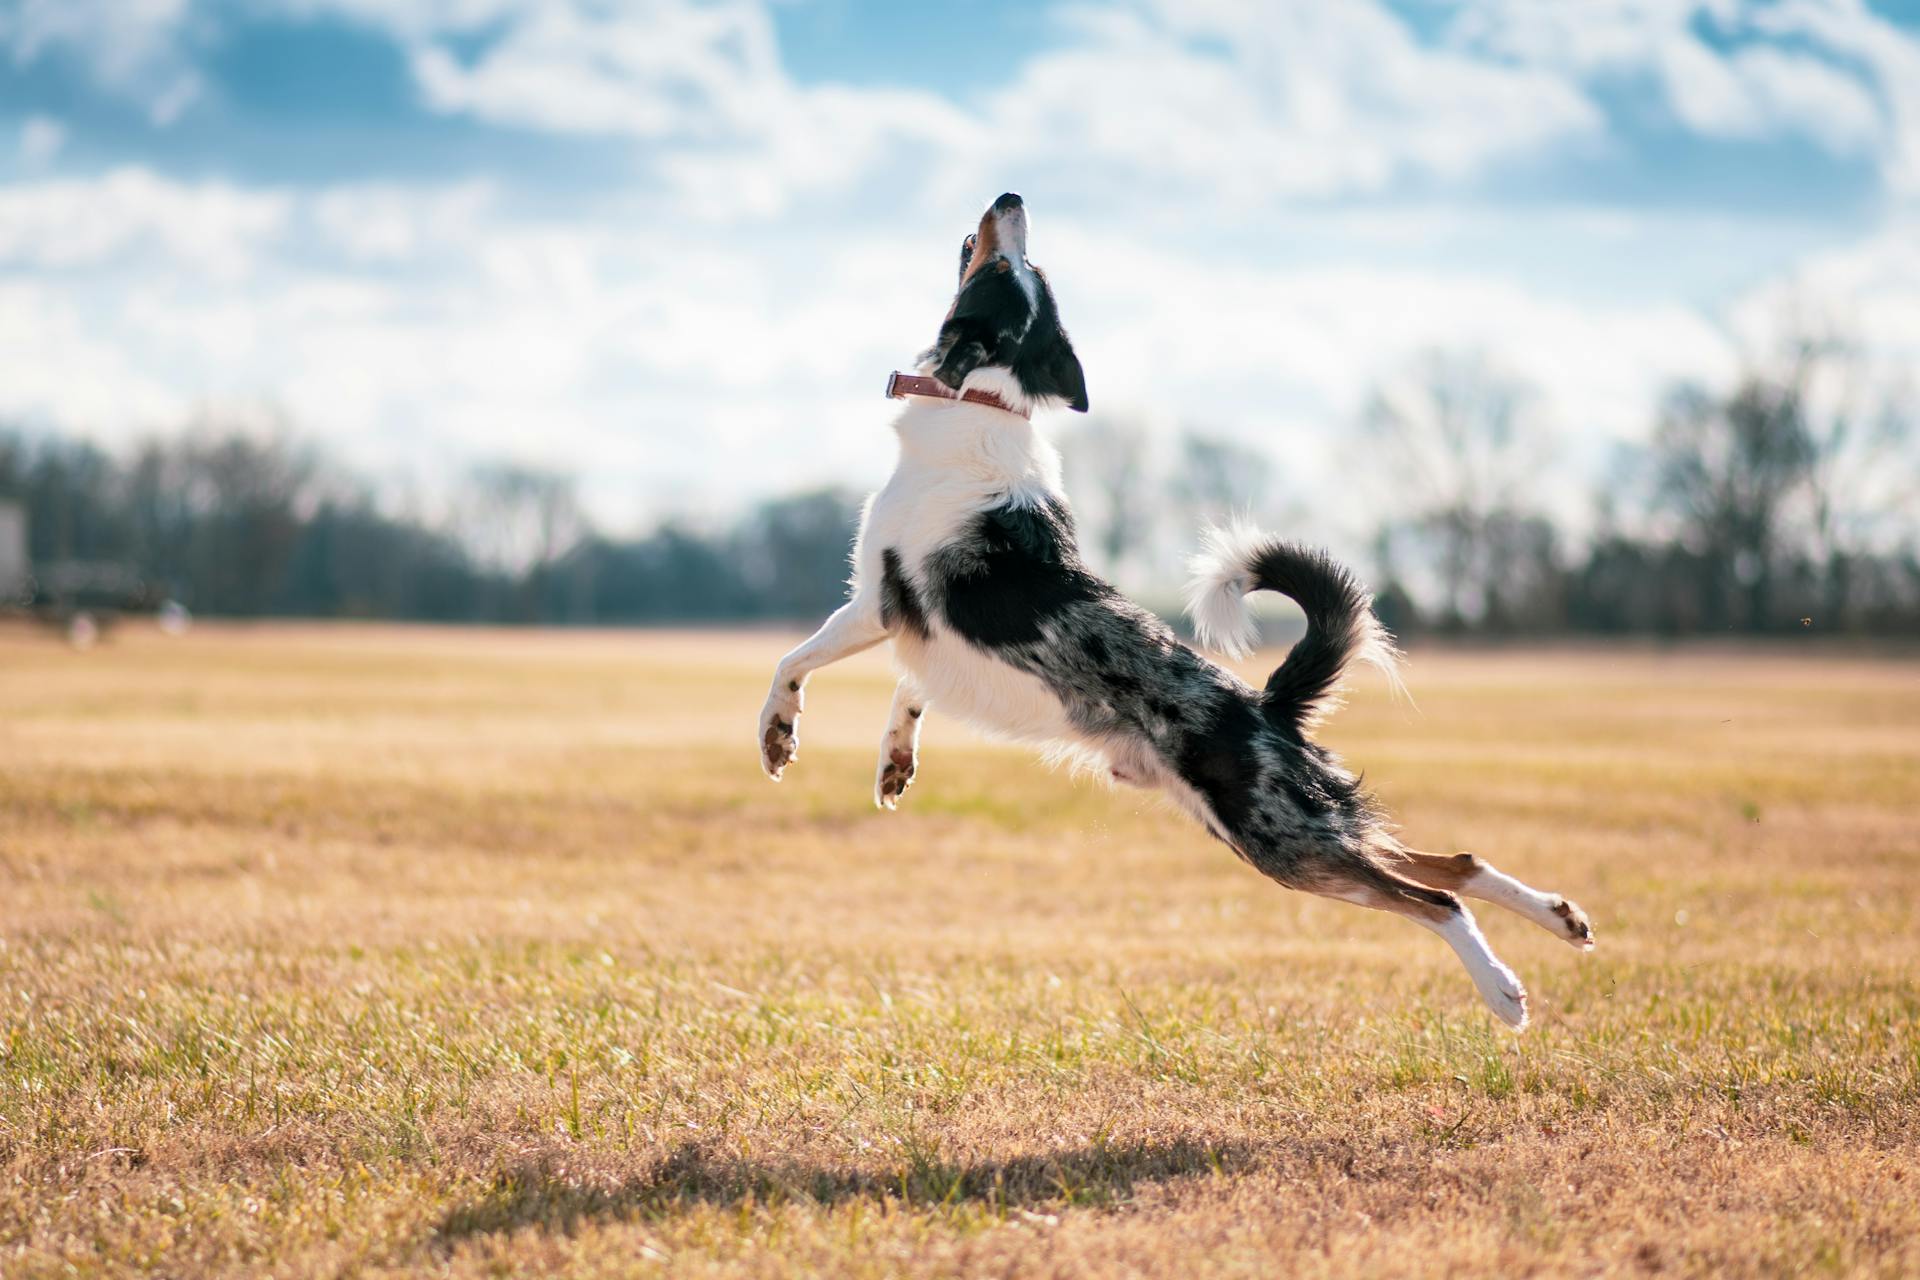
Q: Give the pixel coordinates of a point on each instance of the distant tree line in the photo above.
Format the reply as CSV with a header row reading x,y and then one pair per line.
x,y
244,524
1790,502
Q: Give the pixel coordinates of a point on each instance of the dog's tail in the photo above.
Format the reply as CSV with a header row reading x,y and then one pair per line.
x,y
1340,622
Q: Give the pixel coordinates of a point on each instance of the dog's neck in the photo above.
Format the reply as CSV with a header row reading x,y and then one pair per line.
x,y
994,388
976,447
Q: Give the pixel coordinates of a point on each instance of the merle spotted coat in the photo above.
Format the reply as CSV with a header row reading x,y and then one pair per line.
x,y
967,562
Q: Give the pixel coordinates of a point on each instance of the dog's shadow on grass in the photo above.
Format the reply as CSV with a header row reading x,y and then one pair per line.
x,y
544,1195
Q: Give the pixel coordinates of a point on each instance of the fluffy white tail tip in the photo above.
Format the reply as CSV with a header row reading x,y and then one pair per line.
x,y
1222,575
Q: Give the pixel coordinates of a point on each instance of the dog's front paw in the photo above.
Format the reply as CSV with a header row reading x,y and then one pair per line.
x,y
779,746
897,767
779,731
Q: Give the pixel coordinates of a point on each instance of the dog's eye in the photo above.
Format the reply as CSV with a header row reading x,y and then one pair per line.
x,y
966,247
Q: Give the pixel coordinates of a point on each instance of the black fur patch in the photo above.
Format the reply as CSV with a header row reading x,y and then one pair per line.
x,y
989,319
993,325
1017,568
1218,761
1046,364
900,605
1338,615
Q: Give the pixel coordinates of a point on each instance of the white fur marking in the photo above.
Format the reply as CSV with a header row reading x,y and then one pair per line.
x,y
1216,594
1497,984
1502,890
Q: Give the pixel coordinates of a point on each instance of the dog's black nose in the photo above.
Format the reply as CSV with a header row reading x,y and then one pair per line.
x,y
1011,200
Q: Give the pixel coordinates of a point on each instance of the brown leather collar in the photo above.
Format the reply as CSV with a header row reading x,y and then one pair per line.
x,y
901,385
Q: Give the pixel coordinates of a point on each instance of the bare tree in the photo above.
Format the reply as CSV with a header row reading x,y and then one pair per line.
x,y
794,550
1215,479
222,507
1108,474
1728,469
1461,446
519,522
517,518
1863,472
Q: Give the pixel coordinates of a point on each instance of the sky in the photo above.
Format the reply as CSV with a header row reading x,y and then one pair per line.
x,y
676,247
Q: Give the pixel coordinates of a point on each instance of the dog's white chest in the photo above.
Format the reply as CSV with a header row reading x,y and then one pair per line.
x,y
985,692
957,461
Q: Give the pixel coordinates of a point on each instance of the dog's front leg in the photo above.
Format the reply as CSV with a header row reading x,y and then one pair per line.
x,y
853,627
900,745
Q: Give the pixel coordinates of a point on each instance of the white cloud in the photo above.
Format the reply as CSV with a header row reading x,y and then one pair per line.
x,y
1798,94
1236,103
703,83
393,223
1652,38
76,223
424,326
829,141
1868,291
65,369
1283,358
1828,70
1181,330
131,47
415,19
675,361
651,69
1251,103
1889,55
41,138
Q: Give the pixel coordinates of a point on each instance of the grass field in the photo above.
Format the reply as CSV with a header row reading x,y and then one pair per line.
x,y
366,951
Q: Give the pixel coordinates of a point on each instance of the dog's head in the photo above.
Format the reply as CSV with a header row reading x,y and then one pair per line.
x,y
1003,316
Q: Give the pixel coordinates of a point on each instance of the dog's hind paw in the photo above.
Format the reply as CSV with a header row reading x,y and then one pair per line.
x,y
1573,921
1507,998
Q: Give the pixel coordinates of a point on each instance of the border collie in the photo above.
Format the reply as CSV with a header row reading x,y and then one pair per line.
x,y
968,563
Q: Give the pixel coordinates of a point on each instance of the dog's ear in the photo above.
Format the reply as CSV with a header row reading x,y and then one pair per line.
x,y
1068,379
1048,368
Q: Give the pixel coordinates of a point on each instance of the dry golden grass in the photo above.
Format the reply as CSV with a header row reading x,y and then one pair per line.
x,y
378,951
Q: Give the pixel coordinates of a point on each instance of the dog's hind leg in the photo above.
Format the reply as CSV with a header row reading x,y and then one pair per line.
x,y
900,745
1440,911
1474,877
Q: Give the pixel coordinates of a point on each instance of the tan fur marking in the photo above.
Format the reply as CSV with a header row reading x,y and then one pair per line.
x,y
986,243
1407,904
1450,871
1384,891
